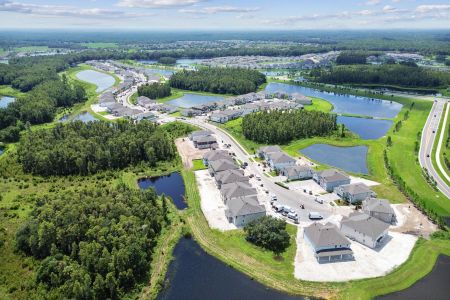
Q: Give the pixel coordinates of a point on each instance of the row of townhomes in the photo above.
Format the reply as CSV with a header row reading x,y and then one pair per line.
x,y
368,227
238,195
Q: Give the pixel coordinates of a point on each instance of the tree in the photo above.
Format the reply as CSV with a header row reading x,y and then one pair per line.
x,y
389,141
269,233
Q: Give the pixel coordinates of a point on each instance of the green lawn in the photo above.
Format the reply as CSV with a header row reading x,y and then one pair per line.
x,y
31,48
133,98
198,165
319,105
7,90
100,45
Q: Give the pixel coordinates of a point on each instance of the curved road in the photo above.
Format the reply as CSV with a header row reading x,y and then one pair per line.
x,y
426,148
285,197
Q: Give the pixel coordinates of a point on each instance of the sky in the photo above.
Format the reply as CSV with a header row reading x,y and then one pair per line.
x,y
225,15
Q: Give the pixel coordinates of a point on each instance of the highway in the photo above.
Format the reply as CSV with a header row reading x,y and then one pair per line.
x,y
290,198
426,154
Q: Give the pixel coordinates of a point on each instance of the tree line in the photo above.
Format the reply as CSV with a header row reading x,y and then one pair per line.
x,y
154,90
86,148
388,74
219,80
351,57
95,243
280,127
38,106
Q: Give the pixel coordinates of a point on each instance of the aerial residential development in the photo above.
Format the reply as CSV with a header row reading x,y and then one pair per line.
x,y
224,149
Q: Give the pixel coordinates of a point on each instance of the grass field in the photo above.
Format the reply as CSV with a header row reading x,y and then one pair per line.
x,y
31,49
100,45
198,165
7,90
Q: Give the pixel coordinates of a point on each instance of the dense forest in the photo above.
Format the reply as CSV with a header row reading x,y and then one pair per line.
x,y
349,58
279,127
405,75
154,90
86,148
95,243
38,106
219,80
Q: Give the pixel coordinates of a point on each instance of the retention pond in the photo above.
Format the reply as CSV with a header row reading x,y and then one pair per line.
x,y
171,185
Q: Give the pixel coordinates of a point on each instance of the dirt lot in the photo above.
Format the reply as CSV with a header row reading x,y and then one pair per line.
x,y
188,152
411,220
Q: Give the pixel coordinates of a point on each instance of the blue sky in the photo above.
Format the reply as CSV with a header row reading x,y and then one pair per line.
x,y
220,14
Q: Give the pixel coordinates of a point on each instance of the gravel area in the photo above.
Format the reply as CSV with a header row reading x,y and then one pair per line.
x,y
363,180
188,152
367,263
309,185
211,203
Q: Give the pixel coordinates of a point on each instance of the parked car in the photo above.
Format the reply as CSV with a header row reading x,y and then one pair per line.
x,y
315,216
245,163
292,216
287,210
258,177
251,176
318,200
273,198
278,207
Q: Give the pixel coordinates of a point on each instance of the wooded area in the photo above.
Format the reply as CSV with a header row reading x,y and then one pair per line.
x,y
219,80
86,148
279,127
154,90
388,74
349,58
95,244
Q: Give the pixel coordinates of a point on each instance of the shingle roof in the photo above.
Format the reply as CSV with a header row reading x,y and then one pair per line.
x,y
294,170
230,176
323,236
280,157
242,206
378,205
222,165
200,133
366,224
331,175
270,149
356,188
237,189
216,154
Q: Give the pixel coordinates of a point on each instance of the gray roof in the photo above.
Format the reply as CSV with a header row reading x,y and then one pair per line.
x,y
378,205
365,224
242,206
280,157
200,133
230,176
294,170
270,149
222,165
356,188
331,175
237,189
323,236
213,155
205,139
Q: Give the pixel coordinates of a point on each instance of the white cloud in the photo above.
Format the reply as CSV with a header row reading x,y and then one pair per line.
x,y
389,9
157,3
63,10
219,9
373,2
432,8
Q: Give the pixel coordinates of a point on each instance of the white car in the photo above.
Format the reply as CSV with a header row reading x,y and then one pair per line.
x,y
293,216
273,198
315,216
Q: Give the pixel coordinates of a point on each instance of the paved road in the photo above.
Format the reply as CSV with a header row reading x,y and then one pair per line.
x,y
285,197
427,142
440,143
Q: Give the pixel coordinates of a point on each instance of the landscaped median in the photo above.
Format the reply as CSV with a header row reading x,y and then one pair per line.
x,y
232,248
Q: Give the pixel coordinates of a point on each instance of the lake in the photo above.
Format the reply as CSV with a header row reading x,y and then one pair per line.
x,y
194,274
101,80
161,72
83,117
5,100
171,185
435,285
189,100
343,103
367,129
351,159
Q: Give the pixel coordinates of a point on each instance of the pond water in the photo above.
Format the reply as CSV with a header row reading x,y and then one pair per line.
x,y
101,80
435,285
5,100
351,159
1,151
194,274
367,129
162,72
344,103
171,185
188,61
148,61
189,100
83,117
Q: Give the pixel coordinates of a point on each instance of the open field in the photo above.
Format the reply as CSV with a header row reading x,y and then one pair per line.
x,y
100,45
7,90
